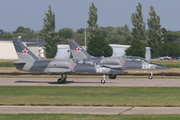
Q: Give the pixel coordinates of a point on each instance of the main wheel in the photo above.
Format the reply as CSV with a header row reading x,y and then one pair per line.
x,y
59,81
64,80
112,76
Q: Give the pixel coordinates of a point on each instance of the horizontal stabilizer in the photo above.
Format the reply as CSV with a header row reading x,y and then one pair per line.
x,y
19,65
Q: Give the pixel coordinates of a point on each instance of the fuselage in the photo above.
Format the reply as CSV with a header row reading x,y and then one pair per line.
x,y
65,66
126,63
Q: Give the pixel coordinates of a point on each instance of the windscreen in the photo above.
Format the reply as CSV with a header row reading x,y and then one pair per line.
x,y
135,58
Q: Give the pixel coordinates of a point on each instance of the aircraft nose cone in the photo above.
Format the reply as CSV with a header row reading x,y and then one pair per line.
x,y
158,67
115,71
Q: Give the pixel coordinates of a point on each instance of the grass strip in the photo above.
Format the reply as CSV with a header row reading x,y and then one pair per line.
x,y
6,64
85,117
90,96
8,60
170,64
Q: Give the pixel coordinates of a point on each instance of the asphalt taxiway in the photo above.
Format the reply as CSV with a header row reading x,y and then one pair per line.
x,y
122,82
88,110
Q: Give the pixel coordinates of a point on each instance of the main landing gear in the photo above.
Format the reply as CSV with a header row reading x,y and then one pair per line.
x,y
103,80
62,79
112,76
151,76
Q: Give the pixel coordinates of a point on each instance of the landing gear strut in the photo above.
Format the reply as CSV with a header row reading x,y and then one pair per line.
x,y
112,76
62,79
151,76
103,80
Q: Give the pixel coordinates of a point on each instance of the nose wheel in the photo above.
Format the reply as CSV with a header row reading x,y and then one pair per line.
x,y
103,80
151,76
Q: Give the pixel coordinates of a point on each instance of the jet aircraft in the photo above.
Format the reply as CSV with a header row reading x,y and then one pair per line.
x,y
29,62
122,62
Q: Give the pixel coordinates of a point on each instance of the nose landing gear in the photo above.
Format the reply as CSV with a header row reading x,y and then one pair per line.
x,y
103,80
151,76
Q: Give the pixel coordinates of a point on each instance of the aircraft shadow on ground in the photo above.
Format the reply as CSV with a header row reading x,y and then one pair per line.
x,y
67,82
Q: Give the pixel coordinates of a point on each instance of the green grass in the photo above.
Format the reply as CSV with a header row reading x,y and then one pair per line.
x,y
170,64
7,64
8,60
97,96
85,117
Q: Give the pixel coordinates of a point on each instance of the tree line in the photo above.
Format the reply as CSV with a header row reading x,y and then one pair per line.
x,y
162,42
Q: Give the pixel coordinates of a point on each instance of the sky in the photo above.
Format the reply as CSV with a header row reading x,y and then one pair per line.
x,y
74,13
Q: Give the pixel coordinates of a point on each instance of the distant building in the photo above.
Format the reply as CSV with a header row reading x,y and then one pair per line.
x,y
63,51
7,50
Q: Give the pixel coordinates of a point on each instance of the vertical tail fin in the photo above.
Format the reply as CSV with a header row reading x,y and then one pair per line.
x,y
23,53
77,51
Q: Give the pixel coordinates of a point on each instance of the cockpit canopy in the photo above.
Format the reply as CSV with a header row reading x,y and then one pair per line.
x,y
135,58
86,61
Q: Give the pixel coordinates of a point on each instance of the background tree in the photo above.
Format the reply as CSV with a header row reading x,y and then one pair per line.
x,y
51,36
124,33
169,36
116,35
40,34
92,21
136,49
98,46
163,30
155,33
6,35
138,31
170,49
1,31
25,33
66,33
127,32
20,29
79,38
138,35
81,31
111,34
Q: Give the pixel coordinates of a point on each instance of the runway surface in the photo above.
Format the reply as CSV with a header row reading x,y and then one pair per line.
x,y
123,82
88,110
